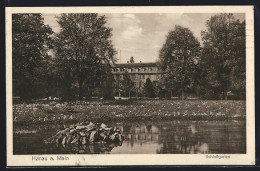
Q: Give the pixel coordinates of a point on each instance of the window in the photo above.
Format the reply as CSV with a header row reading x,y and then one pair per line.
x,y
142,76
151,69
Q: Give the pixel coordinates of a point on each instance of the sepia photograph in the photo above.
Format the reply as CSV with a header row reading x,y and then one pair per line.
x,y
121,83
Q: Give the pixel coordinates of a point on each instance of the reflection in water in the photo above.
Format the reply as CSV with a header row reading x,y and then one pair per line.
x,y
97,148
185,139
172,137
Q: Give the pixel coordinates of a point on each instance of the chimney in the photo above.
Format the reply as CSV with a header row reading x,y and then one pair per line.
x,y
140,62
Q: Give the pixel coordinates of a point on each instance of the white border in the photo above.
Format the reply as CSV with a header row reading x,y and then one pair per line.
x,y
138,159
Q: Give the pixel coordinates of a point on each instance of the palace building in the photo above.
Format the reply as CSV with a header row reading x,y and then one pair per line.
x,y
138,73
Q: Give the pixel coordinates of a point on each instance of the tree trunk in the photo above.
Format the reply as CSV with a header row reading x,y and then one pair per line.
x,y
80,90
182,94
48,88
182,91
224,93
226,96
199,92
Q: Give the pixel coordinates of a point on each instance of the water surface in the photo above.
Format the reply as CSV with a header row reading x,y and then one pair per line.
x,y
157,137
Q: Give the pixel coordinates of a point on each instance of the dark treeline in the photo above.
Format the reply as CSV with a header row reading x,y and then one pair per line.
x,y
82,53
215,70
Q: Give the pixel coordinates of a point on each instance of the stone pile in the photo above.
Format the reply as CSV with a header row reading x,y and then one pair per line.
x,y
87,133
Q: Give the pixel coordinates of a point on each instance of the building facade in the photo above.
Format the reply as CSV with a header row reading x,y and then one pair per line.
x,y
138,72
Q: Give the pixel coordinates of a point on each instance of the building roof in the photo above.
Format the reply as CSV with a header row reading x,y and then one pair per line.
x,y
125,65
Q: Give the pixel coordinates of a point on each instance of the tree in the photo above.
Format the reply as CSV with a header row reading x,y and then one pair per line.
x,y
84,45
149,89
61,79
126,84
31,41
132,60
178,59
224,54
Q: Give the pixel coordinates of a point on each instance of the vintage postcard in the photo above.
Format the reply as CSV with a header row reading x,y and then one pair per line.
x,y
130,86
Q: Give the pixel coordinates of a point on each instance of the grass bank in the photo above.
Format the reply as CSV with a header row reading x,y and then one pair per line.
x,y
56,111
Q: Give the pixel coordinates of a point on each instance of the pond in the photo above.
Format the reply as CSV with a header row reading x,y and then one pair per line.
x,y
144,137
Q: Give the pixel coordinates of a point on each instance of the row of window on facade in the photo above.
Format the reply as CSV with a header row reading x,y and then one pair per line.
x,y
138,76
136,84
133,69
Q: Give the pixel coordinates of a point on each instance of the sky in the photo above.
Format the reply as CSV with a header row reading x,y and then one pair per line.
x,y
142,35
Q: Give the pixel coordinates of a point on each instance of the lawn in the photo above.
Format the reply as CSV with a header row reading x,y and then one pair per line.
x,y
57,111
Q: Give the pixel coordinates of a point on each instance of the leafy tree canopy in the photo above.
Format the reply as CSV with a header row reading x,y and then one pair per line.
x,y
149,88
85,47
132,60
127,84
223,56
31,40
178,58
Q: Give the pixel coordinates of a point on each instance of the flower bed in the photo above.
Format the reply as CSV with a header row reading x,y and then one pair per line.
x,y
75,111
